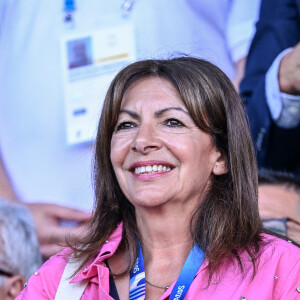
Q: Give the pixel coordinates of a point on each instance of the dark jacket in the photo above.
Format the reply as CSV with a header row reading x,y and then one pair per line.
x,y
278,28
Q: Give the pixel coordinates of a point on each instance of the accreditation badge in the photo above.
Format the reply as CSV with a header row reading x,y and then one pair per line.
x,y
90,62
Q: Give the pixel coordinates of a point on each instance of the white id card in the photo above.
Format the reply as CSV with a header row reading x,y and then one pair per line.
x,y
90,62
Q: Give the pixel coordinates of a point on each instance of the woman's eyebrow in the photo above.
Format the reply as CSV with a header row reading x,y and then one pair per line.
x,y
162,111
157,114
131,113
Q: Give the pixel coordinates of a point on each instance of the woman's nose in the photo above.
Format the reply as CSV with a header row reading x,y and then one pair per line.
x,y
145,140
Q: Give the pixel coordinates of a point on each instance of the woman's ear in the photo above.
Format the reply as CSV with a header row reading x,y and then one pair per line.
x,y
220,166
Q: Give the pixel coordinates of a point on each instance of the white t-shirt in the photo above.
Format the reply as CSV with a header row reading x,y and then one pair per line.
x,y
41,165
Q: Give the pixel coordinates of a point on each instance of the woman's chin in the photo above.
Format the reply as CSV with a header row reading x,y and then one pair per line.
x,y
150,202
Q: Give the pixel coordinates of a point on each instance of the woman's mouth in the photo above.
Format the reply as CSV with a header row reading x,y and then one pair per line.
x,y
151,169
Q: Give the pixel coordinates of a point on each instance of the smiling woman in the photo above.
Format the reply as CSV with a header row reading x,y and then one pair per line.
x,y
155,144
176,211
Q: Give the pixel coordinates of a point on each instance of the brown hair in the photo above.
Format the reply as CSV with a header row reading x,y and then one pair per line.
x,y
227,220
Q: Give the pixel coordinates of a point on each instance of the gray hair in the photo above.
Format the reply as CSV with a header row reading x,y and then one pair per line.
x,y
19,249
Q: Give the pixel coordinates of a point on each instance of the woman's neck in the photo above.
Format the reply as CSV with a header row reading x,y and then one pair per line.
x,y
166,242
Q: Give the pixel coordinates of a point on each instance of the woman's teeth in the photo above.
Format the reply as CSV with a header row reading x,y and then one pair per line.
x,y
151,169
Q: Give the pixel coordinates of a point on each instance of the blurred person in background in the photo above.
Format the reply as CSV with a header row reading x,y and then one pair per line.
x,y
271,86
47,110
279,202
19,250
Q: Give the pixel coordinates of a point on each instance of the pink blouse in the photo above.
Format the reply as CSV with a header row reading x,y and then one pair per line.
x,y
278,275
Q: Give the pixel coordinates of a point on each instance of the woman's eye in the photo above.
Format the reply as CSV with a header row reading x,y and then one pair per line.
x,y
174,123
124,125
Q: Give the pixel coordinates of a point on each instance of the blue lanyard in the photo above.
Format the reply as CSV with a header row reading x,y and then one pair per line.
x,y
69,8
184,281
137,278
69,5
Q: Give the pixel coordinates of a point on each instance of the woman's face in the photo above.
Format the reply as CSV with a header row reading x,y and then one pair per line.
x,y
158,153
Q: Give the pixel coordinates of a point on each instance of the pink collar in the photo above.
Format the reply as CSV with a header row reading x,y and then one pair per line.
x,y
108,249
